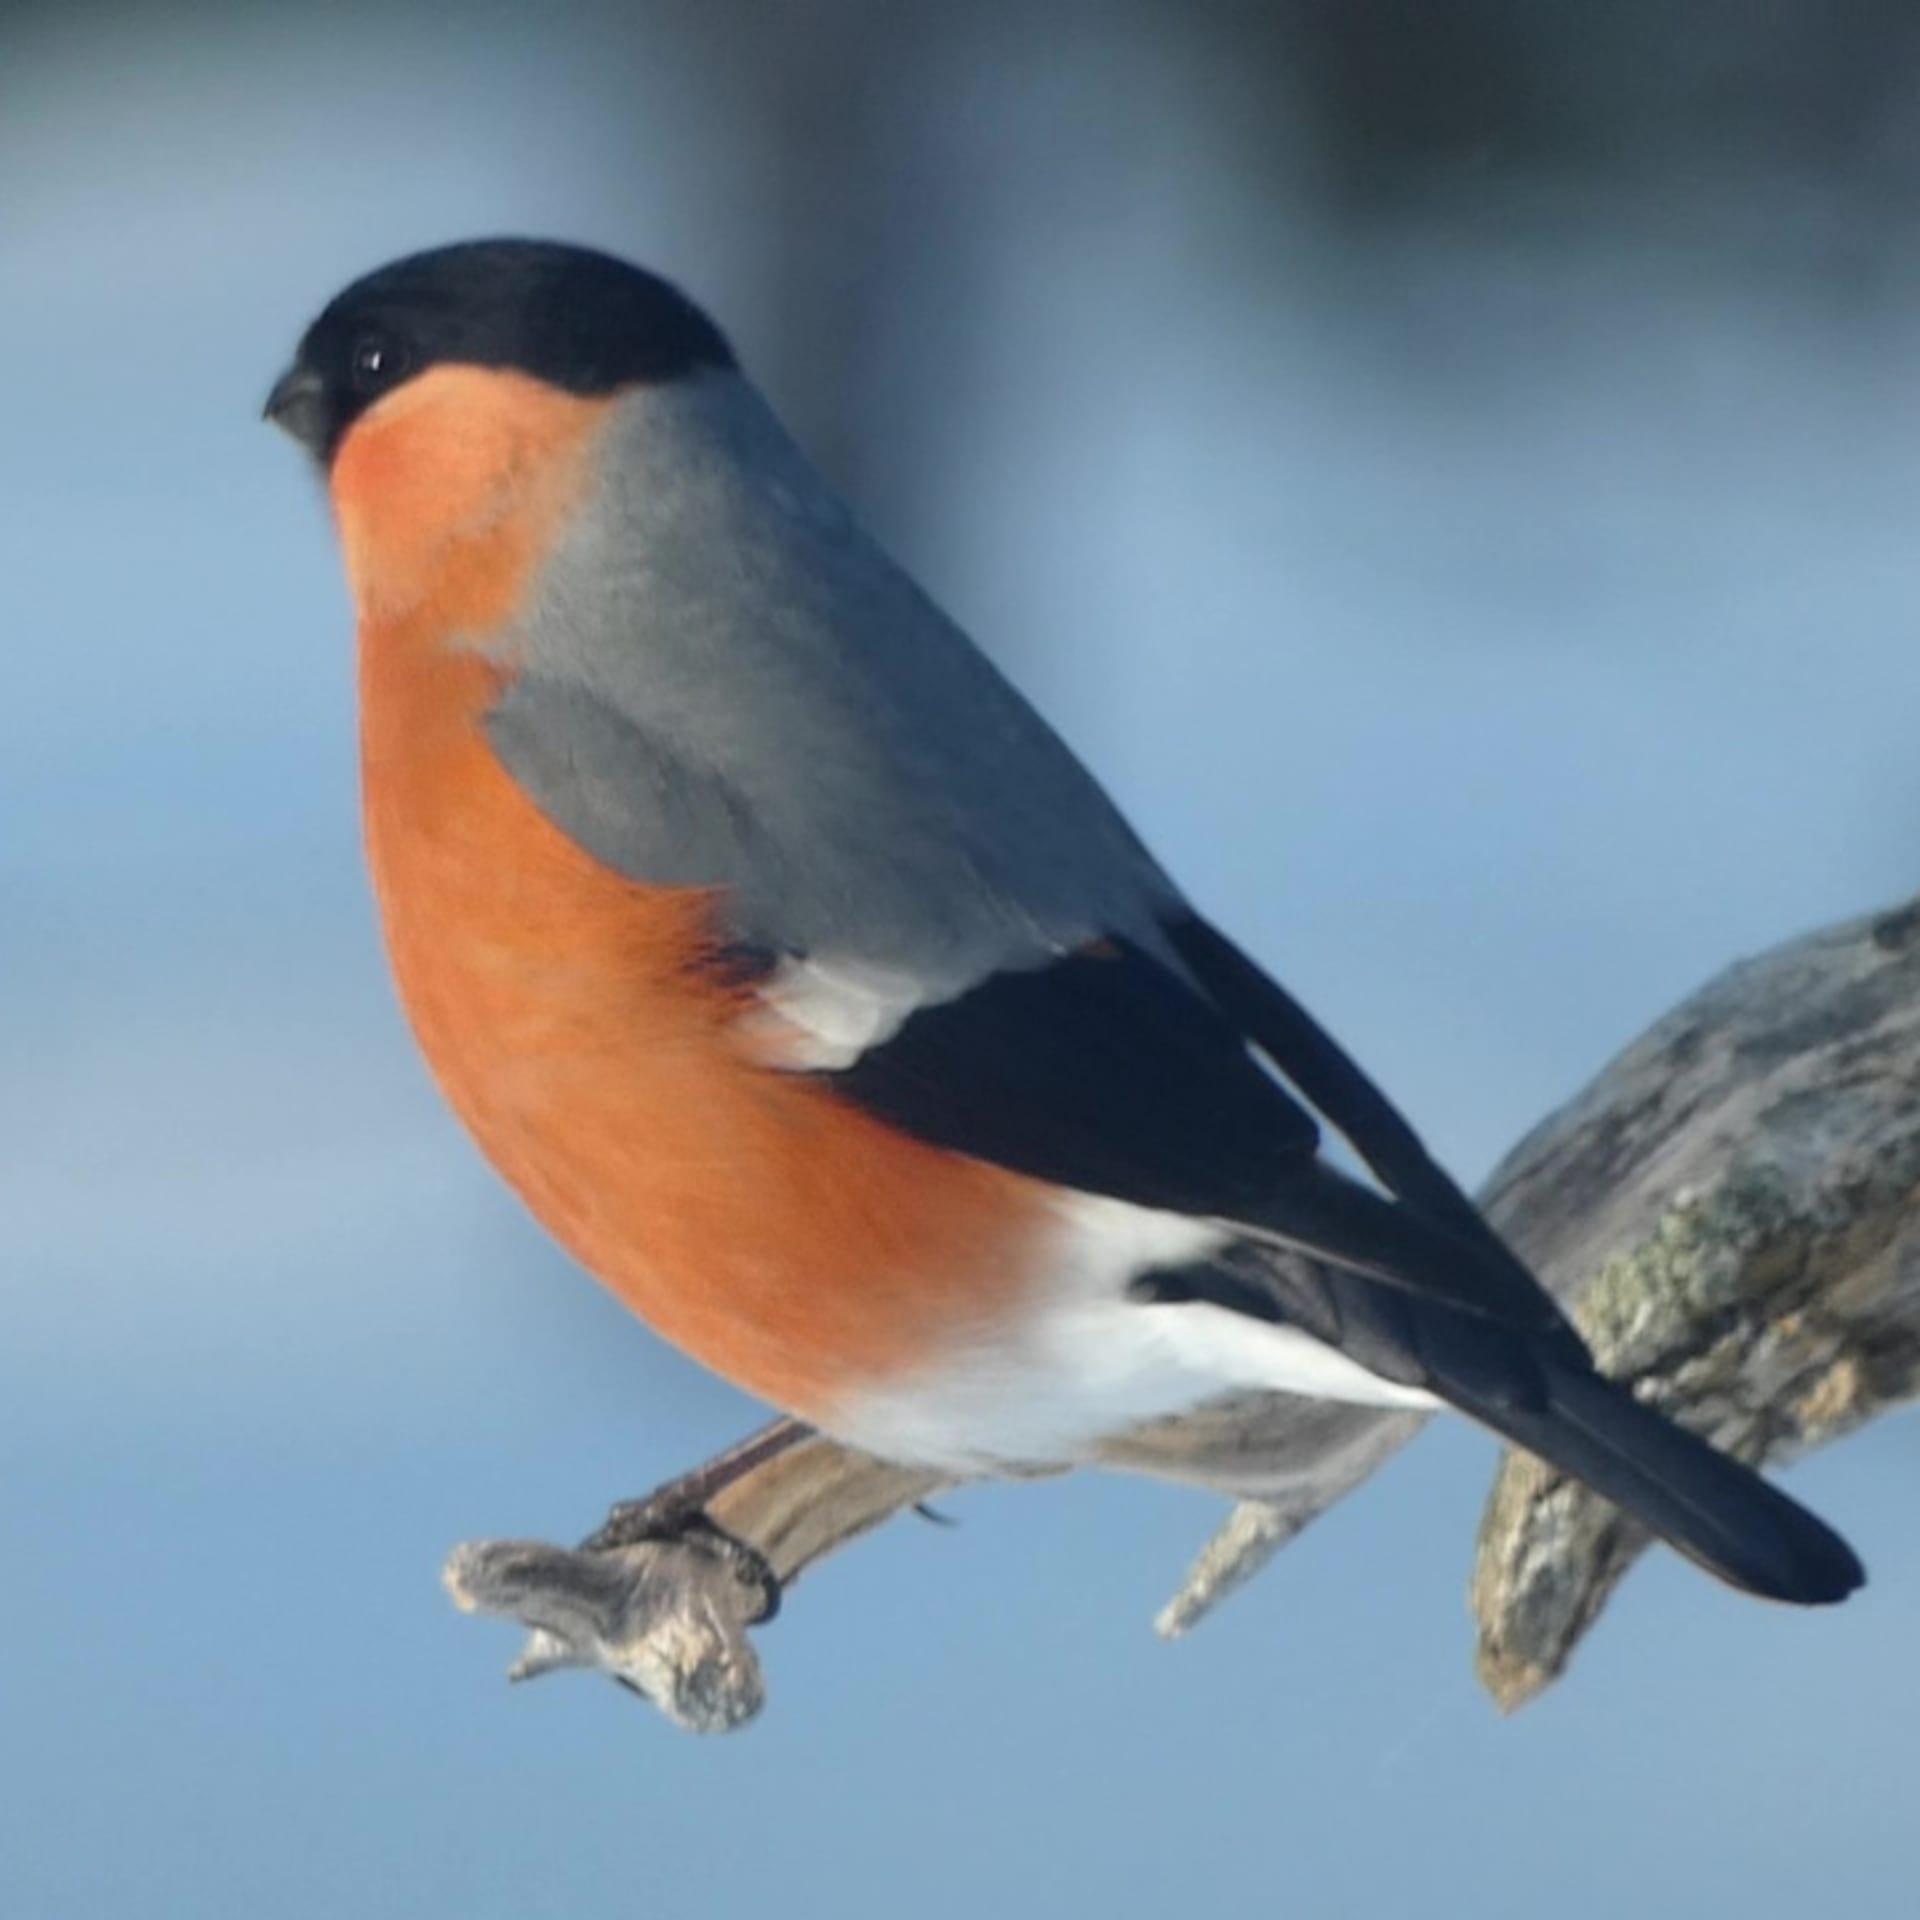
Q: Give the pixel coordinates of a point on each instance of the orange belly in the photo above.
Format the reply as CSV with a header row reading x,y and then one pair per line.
x,y
750,1216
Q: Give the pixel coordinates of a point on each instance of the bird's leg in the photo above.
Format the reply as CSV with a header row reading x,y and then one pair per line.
x,y
644,1518
677,1511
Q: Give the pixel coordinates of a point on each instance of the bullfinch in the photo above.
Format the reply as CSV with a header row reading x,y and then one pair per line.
x,y
813,994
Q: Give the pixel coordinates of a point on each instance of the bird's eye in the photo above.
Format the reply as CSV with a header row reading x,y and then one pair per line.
x,y
378,361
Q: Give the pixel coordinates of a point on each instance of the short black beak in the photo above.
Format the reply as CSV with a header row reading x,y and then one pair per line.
x,y
298,403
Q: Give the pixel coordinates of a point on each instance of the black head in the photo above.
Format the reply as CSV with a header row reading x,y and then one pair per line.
x,y
577,319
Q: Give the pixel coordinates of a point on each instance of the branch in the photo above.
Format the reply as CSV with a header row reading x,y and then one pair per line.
x,y
1732,1207
1735,1203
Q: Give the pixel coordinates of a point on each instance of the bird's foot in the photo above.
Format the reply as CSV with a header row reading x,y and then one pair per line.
x,y
674,1513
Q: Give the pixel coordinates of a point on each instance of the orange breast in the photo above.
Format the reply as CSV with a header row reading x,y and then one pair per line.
x,y
752,1218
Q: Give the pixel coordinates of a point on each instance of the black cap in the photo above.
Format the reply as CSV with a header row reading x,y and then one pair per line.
x,y
577,319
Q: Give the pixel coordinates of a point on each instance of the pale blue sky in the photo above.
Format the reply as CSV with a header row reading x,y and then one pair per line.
x,y
1500,633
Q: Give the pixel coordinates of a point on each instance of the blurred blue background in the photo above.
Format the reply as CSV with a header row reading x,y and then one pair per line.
x,y
1454,472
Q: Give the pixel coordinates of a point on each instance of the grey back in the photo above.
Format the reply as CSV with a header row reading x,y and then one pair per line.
x,y
727,683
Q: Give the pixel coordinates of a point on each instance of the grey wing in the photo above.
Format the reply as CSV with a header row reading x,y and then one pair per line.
x,y
872,877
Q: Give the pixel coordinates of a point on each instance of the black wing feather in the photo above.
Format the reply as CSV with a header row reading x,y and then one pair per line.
x,y
1100,1071
1325,1073
1107,1072
1296,1043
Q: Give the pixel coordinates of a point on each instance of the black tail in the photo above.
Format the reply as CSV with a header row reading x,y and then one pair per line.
x,y
1541,1391
1445,1304
1714,1510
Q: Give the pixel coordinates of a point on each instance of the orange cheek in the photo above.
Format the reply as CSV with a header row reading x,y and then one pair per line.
x,y
451,488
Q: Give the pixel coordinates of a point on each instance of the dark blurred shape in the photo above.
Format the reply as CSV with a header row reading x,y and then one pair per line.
x,y
1407,97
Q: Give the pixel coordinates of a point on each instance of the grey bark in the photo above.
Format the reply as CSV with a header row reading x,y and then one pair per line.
x,y
1732,1208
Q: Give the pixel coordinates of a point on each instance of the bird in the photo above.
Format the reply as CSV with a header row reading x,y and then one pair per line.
x,y
812,993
